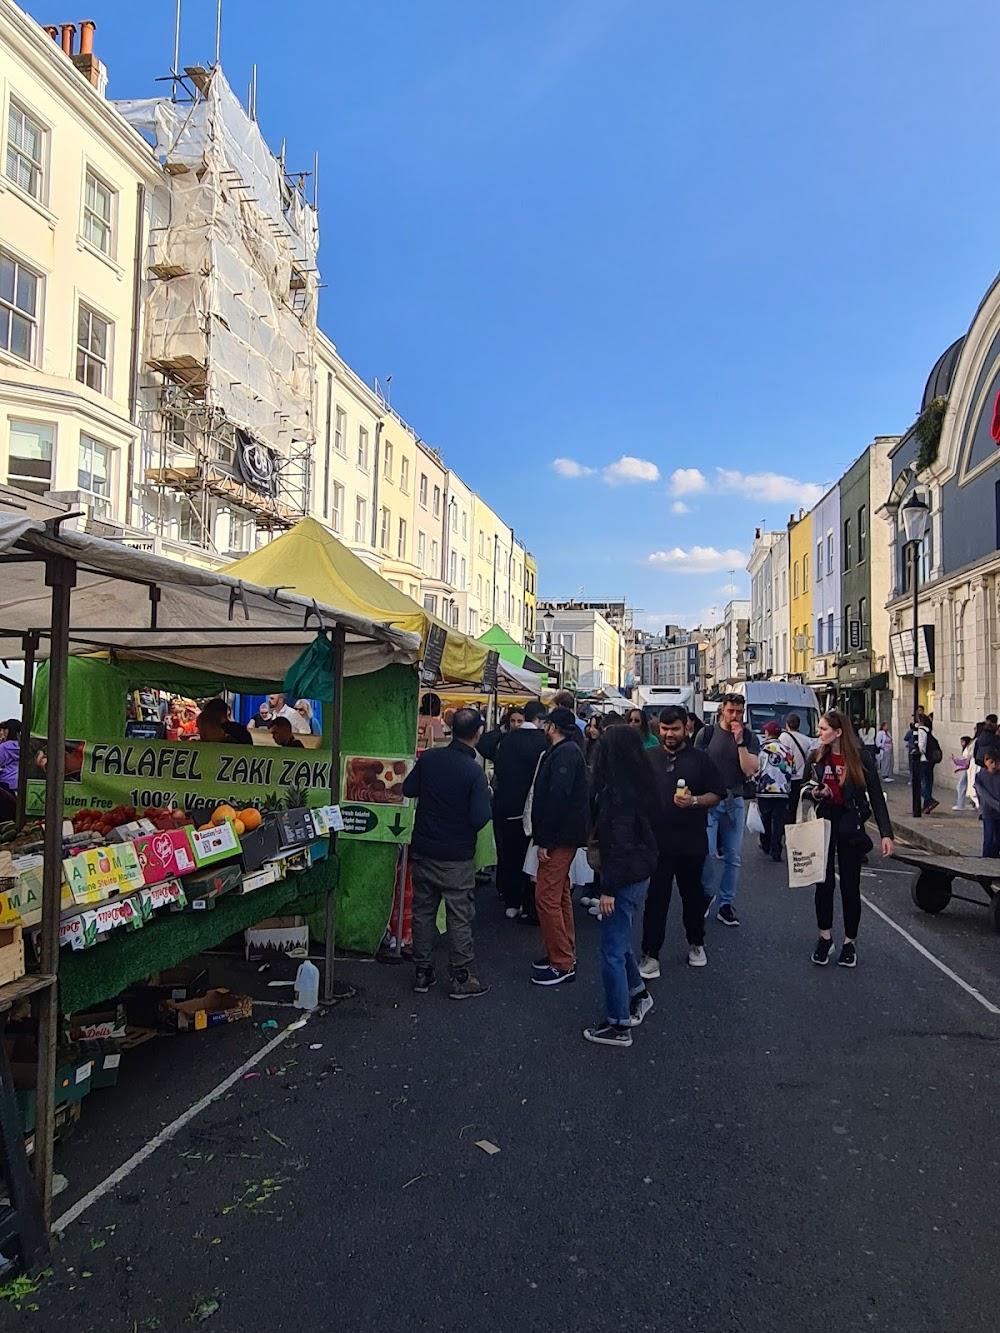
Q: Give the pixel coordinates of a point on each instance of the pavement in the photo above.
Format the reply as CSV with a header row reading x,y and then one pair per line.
x,y
945,832
784,1148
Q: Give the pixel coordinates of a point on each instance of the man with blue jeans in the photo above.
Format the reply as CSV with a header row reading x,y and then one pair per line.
x,y
734,749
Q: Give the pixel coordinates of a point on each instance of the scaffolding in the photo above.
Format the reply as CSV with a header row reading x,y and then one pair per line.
x,y
229,319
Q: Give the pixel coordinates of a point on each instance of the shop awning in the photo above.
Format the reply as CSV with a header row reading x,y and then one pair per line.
x,y
145,606
313,563
511,651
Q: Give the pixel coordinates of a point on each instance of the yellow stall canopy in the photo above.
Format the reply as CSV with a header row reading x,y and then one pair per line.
x,y
310,561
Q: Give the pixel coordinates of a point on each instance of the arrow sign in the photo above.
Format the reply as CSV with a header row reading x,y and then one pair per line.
x,y
396,827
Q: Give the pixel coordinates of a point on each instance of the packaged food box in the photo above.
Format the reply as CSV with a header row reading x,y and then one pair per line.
x,y
276,934
96,1024
296,828
207,1011
204,887
259,845
169,894
218,843
165,855
259,879
99,873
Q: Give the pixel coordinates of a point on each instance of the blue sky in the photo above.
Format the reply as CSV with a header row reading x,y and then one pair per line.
x,y
724,241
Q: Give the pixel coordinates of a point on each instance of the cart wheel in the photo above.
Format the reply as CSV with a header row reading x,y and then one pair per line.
x,y
995,909
931,891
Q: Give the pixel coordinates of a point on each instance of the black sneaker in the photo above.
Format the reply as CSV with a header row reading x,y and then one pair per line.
x,y
727,916
608,1035
424,980
848,956
821,954
464,986
551,976
639,1007
540,965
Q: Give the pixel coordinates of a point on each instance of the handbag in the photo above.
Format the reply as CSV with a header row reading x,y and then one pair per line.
x,y
593,854
530,798
807,845
852,830
755,820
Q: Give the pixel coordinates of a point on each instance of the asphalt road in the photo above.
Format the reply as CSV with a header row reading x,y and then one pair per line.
x,y
783,1148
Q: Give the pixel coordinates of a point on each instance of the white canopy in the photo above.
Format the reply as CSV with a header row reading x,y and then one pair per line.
x,y
149,607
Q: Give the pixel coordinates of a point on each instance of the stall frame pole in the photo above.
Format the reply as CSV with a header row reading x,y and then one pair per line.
x,y
30,645
60,576
339,640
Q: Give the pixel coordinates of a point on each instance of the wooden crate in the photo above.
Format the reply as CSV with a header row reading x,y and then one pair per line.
x,y
11,954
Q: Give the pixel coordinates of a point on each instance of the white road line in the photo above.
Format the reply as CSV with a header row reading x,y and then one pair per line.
x,y
169,1132
971,990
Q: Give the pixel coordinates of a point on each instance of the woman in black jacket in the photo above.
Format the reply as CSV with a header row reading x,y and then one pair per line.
x,y
846,790
621,803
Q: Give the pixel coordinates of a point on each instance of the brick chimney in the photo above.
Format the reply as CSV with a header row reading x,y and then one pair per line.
x,y
84,59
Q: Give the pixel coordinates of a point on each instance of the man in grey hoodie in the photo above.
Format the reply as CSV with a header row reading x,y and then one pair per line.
x,y
988,791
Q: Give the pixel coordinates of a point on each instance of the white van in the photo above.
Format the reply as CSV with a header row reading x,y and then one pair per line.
x,y
773,700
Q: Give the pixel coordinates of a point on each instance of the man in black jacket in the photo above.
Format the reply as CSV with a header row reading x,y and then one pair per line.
x,y
515,760
560,816
453,804
688,785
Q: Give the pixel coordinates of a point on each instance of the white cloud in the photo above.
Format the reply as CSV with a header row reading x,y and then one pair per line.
x,y
628,470
687,481
568,467
679,507
770,486
698,560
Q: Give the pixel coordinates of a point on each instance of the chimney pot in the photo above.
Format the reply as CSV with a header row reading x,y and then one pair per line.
x,y
68,33
53,31
87,27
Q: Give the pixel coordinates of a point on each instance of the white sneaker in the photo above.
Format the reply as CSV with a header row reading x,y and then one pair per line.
x,y
640,1008
697,956
588,902
649,968
512,913
595,911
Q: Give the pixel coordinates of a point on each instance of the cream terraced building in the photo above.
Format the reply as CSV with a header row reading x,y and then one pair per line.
x,y
94,317
74,190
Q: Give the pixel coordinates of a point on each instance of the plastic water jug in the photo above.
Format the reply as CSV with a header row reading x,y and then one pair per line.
x,y
307,986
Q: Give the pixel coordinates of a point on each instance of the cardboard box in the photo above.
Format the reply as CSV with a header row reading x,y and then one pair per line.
x,y
74,1071
259,879
296,828
178,983
165,855
113,915
94,875
97,1024
129,869
211,845
259,845
207,1011
11,954
137,828
203,888
276,934
106,1056
73,934
169,894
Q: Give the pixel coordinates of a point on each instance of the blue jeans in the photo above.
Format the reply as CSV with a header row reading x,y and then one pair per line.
x,y
991,835
619,968
926,782
725,834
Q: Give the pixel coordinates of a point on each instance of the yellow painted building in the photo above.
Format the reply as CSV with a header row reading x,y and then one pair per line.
x,y
800,545
530,599
74,186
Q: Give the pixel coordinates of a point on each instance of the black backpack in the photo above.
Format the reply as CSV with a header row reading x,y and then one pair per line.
x,y
932,751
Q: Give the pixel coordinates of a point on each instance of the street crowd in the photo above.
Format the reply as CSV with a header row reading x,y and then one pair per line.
x,y
632,809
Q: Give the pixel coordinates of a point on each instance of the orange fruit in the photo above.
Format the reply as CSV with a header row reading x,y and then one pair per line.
x,y
221,813
251,818
240,827
203,828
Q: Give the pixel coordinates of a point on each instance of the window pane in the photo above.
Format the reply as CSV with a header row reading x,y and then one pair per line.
x,y
20,337
27,290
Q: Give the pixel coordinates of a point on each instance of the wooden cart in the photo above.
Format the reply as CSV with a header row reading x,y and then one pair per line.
x,y
931,888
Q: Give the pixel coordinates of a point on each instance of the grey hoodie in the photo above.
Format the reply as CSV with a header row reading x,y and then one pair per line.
x,y
988,791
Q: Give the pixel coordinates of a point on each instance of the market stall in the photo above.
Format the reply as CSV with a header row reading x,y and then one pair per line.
x,y
65,595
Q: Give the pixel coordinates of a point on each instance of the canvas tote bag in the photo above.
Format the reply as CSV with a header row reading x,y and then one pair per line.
x,y
807,843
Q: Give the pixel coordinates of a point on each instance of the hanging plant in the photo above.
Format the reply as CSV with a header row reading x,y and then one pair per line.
x,y
927,430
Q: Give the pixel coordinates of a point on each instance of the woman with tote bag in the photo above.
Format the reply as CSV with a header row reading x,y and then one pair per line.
x,y
845,790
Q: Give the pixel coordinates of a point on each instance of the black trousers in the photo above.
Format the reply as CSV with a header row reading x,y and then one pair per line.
x,y
774,813
687,871
849,860
513,884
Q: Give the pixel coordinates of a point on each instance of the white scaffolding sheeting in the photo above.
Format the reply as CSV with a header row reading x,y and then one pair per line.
x,y
231,305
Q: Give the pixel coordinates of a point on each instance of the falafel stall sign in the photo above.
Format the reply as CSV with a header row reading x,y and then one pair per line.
x,y
372,801
196,777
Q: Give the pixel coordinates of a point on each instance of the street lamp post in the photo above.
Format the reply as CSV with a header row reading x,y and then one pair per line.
x,y
916,517
548,620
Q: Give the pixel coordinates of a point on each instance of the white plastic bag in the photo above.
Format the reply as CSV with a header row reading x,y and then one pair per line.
x,y
755,820
807,844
